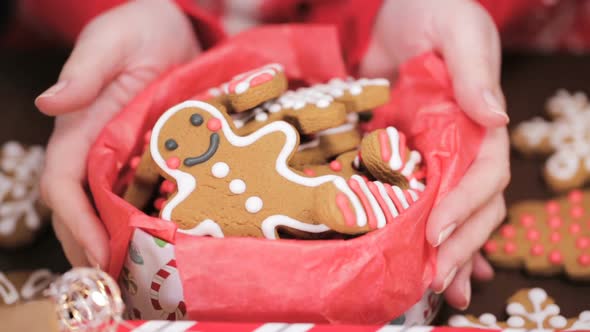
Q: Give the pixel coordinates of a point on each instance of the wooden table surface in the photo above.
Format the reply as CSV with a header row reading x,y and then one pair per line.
x,y
527,82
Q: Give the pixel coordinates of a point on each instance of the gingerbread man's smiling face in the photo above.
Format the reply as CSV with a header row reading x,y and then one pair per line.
x,y
186,137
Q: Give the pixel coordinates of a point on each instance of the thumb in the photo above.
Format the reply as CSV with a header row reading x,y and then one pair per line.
x,y
98,56
473,58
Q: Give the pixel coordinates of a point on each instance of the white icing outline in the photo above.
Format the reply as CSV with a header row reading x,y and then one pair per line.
x,y
8,293
270,224
206,227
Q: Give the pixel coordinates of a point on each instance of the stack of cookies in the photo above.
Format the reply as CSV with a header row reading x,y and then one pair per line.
x,y
231,164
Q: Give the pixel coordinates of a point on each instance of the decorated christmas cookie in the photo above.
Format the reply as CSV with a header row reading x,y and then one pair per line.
x,y
252,88
528,310
22,286
546,237
566,139
21,213
386,156
144,180
232,185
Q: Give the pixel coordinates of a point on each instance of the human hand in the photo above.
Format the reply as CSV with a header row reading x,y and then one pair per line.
x,y
464,34
115,57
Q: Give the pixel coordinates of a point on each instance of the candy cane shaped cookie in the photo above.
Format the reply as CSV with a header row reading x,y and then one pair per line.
x,y
252,88
387,157
161,277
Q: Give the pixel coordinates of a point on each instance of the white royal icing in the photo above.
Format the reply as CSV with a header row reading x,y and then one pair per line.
x,y
270,224
220,170
247,77
237,186
35,283
206,227
254,204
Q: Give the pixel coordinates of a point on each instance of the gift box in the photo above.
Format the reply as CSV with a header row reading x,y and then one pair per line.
x,y
371,279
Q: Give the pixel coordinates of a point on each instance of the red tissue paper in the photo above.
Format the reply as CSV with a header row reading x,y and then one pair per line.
x,y
368,280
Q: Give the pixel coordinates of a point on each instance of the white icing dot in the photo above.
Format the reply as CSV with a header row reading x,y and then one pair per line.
x,y
237,186
260,117
253,204
558,321
13,149
220,170
487,319
515,321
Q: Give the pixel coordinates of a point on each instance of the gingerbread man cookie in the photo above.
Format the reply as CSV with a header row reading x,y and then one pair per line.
x,y
546,237
21,213
529,310
21,286
387,157
231,185
566,139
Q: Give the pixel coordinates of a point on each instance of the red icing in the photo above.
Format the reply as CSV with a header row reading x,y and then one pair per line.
x,y
372,221
509,247
575,228
575,196
583,242
347,214
384,144
336,166
373,188
214,124
394,199
555,257
134,162
309,172
167,187
491,246
555,237
584,260
552,207
533,235
527,220
173,162
256,77
577,211
508,231
159,203
537,250
555,222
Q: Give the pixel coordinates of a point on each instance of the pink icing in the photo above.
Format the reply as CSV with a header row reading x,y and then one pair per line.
x,y
508,231
336,166
371,219
509,248
253,78
384,144
555,222
167,187
575,196
159,203
552,207
555,257
309,172
375,191
537,250
491,246
575,228
555,237
173,162
214,124
584,260
134,162
577,211
533,235
583,242
347,213
527,220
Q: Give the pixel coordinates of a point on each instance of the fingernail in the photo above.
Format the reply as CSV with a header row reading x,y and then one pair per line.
x,y
448,279
93,261
445,233
55,89
466,294
494,105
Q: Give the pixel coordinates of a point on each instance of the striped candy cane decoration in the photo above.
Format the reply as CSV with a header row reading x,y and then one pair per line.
x,y
157,281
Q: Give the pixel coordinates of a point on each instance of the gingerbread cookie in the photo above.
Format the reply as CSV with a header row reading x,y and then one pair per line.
x,y
546,237
342,166
386,156
21,212
22,286
566,138
252,88
528,310
231,185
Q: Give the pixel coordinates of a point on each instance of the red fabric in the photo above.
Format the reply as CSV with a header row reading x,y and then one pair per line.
x,y
367,280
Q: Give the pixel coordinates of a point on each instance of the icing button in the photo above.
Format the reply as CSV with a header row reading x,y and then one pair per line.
x,y
214,124
537,250
527,220
555,222
583,242
173,162
575,196
254,204
577,212
584,260
533,235
555,237
552,207
555,257
508,232
490,246
510,248
575,228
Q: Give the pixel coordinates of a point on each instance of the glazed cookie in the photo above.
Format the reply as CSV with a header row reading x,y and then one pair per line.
x,y
22,286
21,213
386,156
252,88
546,237
566,139
231,185
528,310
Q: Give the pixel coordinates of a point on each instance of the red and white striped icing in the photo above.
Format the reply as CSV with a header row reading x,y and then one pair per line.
x,y
394,151
381,202
157,281
242,82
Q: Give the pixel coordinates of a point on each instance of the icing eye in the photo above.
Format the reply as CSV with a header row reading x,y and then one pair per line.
x,y
196,120
171,144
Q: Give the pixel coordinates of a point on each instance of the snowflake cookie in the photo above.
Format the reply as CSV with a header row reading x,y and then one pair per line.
x,y
530,310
